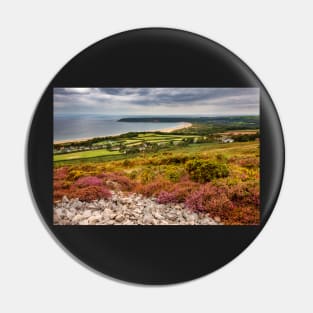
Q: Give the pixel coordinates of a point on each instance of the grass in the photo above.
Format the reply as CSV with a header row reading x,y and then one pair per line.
x,y
84,155
143,137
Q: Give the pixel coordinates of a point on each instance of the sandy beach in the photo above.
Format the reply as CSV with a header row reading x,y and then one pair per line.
x,y
171,129
163,130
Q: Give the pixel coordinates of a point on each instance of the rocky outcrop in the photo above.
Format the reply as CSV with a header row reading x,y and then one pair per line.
x,y
126,209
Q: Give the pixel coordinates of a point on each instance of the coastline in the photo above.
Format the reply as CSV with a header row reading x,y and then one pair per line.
x,y
163,130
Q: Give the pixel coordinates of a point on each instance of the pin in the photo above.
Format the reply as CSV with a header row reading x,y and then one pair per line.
x,y
155,156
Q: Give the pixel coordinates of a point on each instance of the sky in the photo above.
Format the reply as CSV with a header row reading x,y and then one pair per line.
x,y
157,101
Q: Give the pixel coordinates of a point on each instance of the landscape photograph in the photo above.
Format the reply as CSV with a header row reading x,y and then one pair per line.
x,y
156,156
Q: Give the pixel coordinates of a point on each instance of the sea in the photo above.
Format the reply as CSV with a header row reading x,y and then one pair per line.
x,y
77,126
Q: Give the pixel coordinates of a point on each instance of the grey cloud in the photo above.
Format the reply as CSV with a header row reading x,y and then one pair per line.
x,y
130,100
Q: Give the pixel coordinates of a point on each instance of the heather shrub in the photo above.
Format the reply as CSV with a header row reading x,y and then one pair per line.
x,y
245,194
58,194
204,171
88,181
75,174
250,163
90,193
244,216
60,173
66,184
211,199
153,188
177,193
87,167
118,181
167,197
57,185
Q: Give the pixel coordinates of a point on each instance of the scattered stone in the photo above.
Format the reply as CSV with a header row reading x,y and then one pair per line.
x,y
59,212
119,218
93,220
70,214
127,209
65,199
78,204
83,222
172,216
148,218
87,213
207,221
158,216
77,218
107,212
217,219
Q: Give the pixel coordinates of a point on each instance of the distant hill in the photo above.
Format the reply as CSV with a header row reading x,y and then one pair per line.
x,y
244,121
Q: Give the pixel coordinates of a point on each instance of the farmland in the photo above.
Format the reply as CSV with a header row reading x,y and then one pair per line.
x,y
122,146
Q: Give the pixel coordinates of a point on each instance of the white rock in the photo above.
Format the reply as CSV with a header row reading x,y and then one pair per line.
x,y
148,218
112,216
127,209
83,222
87,213
217,219
119,218
158,216
78,204
190,217
59,212
107,211
128,222
77,218
70,214
92,220
172,216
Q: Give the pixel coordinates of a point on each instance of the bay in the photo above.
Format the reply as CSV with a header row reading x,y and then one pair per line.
x,y
67,127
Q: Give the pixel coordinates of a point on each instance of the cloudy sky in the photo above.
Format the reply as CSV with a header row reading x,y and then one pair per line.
x,y
157,101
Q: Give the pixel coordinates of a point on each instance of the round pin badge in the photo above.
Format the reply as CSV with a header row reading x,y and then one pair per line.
x,y
155,156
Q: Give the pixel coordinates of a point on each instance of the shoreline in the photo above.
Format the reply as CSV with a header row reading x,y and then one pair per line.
x,y
163,130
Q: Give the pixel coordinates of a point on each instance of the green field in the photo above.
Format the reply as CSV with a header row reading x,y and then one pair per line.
x,y
137,141
84,155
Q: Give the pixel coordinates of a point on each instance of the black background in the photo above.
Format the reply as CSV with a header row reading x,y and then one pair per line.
x,y
154,58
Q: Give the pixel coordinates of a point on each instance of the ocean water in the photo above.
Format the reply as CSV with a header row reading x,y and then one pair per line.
x,y
66,127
